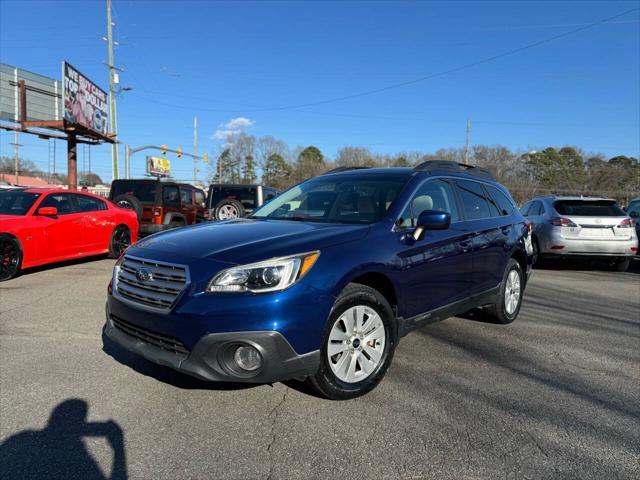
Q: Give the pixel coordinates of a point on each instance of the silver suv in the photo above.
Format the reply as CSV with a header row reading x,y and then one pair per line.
x,y
587,226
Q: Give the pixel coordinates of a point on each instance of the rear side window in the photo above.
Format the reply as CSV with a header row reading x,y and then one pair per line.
x,y
474,203
185,196
170,196
143,191
89,204
504,204
589,208
246,195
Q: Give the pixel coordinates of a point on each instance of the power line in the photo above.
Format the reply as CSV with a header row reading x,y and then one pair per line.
x,y
466,66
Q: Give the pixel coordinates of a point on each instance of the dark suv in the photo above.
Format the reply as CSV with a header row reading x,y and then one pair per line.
x,y
232,201
160,205
323,281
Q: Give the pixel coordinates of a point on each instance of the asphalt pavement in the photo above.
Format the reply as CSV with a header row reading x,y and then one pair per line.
x,y
554,395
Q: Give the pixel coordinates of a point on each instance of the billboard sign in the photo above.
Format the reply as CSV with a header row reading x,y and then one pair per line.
x,y
84,102
158,167
44,95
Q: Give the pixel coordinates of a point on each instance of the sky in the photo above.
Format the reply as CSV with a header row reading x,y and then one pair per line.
x,y
388,76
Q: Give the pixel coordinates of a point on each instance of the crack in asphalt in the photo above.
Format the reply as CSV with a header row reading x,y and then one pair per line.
x,y
275,413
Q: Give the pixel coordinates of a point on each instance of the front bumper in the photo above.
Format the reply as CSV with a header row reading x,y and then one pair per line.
x,y
212,356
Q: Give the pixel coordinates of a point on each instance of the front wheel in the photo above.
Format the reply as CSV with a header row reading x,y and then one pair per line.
x,y
358,344
509,299
10,257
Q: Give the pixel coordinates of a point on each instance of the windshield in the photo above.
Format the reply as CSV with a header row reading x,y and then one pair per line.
x,y
143,191
16,202
589,208
336,199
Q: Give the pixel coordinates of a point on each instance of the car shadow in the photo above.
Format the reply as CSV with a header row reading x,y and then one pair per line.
x,y
165,374
59,450
66,263
589,264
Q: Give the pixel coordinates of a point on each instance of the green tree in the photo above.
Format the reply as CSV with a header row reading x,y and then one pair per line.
x,y
277,172
310,163
249,170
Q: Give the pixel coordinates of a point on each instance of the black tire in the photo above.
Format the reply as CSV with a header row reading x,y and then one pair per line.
x,y
325,381
129,202
10,257
498,310
622,265
120,240
177,223
225,207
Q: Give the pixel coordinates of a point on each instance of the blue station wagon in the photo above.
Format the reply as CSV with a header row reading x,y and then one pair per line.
x,y
323,281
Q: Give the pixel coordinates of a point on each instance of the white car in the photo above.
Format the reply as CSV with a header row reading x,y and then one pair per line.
x,y
581,226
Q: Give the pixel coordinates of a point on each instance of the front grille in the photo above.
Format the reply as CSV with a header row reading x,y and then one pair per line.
x,y
160,290
165,342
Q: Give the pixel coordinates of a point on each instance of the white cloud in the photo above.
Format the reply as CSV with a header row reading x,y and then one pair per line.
x,y
226,131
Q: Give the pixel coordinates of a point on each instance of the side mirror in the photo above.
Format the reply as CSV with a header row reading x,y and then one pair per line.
x,y
48,211
633,214
431,220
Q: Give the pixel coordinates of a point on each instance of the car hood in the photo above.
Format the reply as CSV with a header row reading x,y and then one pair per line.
x,y
10,221
241,241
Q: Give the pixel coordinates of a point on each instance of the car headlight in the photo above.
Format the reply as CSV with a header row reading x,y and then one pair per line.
x,y
268,276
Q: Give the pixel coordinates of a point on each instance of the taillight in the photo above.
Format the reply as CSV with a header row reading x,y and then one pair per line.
x,y
562,222
206,213
157,211
626,223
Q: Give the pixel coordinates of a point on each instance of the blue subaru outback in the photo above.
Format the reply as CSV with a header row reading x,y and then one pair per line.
x,y
323,281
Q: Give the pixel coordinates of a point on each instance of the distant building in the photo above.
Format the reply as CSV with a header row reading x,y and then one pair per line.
x,y
25,181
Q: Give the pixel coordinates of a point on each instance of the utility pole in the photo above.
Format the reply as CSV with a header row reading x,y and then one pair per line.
x,y
16,160
112,93
195,148
466,145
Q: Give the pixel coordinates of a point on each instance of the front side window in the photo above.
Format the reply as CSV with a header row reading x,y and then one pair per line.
x,y
170,196
16,202
474,203
61,201
89,204
336,199
432,195
185,196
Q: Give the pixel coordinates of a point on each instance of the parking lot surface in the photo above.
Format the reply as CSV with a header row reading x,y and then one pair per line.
x,y
554,395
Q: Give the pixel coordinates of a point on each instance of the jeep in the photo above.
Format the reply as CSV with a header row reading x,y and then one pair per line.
x,y
160,205
232,201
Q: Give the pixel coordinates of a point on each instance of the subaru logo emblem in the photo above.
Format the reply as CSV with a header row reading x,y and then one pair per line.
x,y
144,275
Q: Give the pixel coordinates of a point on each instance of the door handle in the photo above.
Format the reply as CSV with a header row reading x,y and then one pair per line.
x,y
506,229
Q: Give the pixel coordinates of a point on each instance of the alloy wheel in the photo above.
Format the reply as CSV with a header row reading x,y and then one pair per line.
x,y
512,292
121,240
226,212
356,344
9,258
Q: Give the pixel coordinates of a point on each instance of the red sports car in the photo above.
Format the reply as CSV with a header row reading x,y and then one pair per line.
x,y
44,226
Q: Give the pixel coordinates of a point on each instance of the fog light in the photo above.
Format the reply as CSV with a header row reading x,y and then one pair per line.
x,y
247,358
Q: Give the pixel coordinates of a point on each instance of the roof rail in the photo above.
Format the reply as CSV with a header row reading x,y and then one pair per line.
x,y
450,166
343,169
